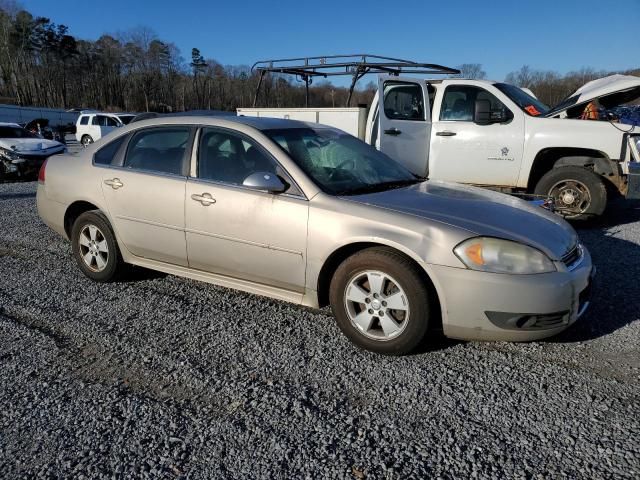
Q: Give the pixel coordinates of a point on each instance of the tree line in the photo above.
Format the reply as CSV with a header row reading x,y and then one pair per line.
x,y
42,64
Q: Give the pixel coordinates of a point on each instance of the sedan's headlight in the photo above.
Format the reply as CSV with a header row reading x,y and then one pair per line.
x,y
7,154
495,255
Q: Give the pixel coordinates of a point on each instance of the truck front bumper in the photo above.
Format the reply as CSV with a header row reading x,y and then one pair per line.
x,y
504,307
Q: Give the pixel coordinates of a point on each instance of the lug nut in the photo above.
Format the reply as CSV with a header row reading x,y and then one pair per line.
x,y
384,304
367,300
371,311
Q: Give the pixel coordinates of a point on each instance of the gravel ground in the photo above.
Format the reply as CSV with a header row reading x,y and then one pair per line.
x,y
165,377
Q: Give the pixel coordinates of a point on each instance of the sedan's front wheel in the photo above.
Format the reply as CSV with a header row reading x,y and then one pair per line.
x,y
381,301
95,248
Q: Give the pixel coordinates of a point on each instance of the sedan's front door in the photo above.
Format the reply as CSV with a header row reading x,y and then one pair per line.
x,y
235,230
145,195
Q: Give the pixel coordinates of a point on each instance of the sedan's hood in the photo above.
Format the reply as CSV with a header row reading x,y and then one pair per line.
x,y
31,146
481,212
611,91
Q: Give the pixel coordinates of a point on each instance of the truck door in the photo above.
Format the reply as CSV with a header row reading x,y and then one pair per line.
x,y
467,152
404,121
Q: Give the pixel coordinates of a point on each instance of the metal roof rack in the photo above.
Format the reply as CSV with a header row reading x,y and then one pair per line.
x,y
356,66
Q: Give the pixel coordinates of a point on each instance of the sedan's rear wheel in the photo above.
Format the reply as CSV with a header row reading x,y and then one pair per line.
x,y
95,248
381,301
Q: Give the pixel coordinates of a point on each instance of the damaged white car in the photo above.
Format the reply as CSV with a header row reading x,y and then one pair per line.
x,y
22,153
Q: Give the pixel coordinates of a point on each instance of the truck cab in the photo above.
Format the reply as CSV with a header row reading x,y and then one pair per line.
x,y
485,133
498,136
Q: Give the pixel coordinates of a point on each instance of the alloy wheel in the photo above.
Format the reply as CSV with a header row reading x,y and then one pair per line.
x,y
376,305
94,249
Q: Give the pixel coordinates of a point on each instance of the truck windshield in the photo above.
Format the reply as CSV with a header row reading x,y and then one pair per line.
x,y
339,163
530,105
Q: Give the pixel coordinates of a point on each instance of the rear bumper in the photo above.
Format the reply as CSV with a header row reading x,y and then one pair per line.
x,y
501,307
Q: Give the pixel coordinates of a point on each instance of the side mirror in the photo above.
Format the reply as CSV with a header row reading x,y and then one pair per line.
x,y
482,112
265,181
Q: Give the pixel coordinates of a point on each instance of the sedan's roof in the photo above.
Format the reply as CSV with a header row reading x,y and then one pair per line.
x,y
259,123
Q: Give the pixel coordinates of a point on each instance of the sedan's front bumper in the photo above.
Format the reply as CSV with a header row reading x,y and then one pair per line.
x,y
27,165
489,306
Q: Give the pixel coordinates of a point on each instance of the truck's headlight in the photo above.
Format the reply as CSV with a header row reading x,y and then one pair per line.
x,y
495,255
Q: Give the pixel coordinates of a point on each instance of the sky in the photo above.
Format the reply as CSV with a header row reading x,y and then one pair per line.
x,y
502,35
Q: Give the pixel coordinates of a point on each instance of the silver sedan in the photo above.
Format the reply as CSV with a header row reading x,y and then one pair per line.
x,y
310,215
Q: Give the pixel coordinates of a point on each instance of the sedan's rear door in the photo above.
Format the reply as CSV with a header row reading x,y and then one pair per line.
x,y
145,193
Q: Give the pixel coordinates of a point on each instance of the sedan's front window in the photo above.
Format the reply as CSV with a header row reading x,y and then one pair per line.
x,y
339,163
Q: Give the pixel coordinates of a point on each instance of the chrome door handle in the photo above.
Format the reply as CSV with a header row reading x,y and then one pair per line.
x,y
205,199
114,183
446,133
393,131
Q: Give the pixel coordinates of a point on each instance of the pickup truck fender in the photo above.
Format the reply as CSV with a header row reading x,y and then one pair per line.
x,y
552,142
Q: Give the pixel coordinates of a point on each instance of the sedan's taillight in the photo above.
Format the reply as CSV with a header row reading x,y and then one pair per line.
x,y
41,172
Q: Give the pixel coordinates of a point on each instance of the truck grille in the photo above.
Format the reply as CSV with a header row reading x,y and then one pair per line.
x,y
573,257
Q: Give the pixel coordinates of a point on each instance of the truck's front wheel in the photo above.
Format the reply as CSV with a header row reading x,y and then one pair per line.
x,y
578,193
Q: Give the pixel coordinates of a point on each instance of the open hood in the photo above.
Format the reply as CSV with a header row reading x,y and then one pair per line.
x,y
610,91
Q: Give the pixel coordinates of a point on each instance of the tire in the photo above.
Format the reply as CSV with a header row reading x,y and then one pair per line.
x,y
387,331
578,193
95,248
86,140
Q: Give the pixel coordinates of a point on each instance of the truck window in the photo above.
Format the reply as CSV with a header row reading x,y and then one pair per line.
x,y
403,101
459,102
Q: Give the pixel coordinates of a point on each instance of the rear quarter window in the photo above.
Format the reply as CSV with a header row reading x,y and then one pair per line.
x,y
105,155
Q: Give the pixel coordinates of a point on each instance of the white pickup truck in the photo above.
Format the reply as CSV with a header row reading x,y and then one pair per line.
x,y
497,136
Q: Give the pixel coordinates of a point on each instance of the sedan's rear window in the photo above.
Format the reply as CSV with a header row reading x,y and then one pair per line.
x,y
159,150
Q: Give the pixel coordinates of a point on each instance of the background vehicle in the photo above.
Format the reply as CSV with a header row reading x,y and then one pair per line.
x,y
22,153
480,132
125,118
314,216
92,126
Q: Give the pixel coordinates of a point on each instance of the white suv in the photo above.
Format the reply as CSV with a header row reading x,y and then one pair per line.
x,y
95,125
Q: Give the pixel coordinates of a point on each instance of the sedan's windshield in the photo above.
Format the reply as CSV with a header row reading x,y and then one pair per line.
x,y
15,132
339,163
526,102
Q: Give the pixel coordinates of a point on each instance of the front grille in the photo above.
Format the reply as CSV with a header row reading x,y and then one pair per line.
x,y
573,257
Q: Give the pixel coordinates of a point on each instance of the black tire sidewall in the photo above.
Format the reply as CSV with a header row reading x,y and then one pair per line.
x,y
413,284
114,261
595,185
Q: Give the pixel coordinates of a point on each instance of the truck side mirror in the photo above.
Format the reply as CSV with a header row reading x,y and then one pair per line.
x,y
482,112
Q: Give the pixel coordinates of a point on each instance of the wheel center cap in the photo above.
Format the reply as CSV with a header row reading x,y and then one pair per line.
x,y
375,304
568,197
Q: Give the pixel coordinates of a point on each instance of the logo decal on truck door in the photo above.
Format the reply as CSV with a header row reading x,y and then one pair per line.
x,y
504,151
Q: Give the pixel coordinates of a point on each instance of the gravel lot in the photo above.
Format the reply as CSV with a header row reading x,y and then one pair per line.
x,y
165,377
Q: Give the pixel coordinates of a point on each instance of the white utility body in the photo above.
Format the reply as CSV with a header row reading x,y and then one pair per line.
x,y
495,135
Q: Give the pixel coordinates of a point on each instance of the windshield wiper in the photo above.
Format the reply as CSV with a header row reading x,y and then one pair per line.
x,y
380,187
